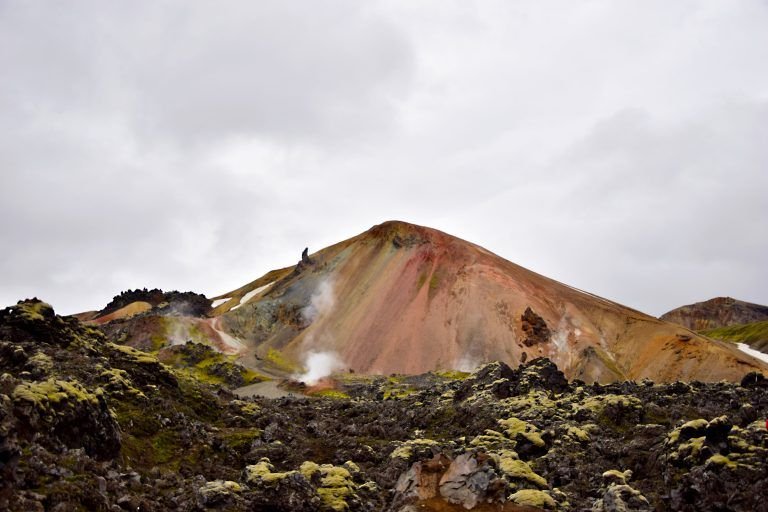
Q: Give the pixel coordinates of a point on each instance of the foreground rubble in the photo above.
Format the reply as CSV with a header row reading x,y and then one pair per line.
x,y
89,425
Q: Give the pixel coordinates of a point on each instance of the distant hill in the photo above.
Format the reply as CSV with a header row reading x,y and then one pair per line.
x,y
716,313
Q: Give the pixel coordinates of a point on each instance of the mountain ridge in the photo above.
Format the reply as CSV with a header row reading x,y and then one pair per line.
x,y
716,313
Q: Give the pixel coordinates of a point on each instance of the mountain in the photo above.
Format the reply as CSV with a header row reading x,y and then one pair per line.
x,y
408,299
715,313
401,298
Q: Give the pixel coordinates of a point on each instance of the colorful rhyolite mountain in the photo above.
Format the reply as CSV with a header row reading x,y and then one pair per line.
x,y
409,299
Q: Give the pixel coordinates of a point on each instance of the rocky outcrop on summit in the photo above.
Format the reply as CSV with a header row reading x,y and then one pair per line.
x,y
715,313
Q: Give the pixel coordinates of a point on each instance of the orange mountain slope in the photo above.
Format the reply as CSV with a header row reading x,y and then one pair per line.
x,y
408,299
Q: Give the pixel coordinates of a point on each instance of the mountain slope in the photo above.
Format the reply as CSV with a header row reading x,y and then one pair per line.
x,y
404,298
715,313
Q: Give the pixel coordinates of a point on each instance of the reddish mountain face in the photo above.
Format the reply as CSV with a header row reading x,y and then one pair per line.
x,y
715,313
409,299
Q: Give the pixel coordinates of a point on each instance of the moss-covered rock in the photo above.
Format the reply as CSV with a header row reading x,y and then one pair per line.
x,y
74,416
533,498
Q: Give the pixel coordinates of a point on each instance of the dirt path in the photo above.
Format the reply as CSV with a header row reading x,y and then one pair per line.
x,y
267,389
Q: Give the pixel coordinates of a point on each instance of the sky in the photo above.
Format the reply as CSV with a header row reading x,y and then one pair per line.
x,y
620,147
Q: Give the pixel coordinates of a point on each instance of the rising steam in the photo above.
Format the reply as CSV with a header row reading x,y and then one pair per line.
x,y
321,302
319,365
466,363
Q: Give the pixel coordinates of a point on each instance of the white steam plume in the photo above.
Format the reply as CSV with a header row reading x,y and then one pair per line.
x,y
319,365
466,364
321,302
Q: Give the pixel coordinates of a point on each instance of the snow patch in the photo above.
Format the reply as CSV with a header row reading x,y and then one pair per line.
x,y
218,302
251,294
752,352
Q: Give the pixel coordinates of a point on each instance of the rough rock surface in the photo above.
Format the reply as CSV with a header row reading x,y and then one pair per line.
x,y
89,425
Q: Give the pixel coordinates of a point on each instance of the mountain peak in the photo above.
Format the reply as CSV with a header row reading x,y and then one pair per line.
x,y
715,313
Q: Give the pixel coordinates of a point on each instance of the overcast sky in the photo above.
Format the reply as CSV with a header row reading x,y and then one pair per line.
x,y
618,146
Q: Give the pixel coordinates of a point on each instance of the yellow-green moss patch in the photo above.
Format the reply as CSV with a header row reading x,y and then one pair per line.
x,y
514,468
516,428
533,498
405,451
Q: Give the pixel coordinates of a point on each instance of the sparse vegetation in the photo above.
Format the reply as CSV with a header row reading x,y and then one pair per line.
x,y
754,334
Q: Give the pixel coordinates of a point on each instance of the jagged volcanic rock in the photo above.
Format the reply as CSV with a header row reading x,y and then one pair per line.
x,y
433,442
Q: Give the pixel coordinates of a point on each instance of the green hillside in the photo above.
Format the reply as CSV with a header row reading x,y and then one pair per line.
x,y
755,334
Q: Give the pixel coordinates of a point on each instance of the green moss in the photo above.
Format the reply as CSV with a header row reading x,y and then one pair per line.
x,y
722,461
334,476
34,310
52,392
309,469
335,498
616,476
42,362
533,400
330,393
138,355
689,450
405,450
516,469
533,498
395,388
516,428
754,334
452,374
578,434
158,341
205,370
166,446
336,486
279,361
220,487
691,427
264,473
241,441
117,380
607,408
246,408
491,439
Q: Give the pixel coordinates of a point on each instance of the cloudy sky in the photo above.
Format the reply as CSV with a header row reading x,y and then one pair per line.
x,y
618,146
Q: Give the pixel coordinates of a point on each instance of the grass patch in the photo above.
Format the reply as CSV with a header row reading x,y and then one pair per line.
x,y
279,361
452,374
330,393
754,334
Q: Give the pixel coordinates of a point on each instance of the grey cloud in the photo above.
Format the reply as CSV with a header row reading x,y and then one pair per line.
x,y
615,146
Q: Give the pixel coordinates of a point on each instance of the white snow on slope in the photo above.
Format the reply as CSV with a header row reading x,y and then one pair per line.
x,y
754,353
248,296
219,302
